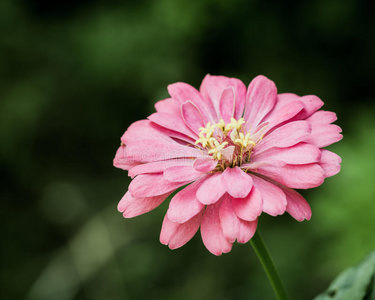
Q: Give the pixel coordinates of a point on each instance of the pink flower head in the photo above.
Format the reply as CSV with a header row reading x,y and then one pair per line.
x,y
236,152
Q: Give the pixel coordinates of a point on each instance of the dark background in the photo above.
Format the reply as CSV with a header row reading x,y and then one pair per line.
x,y
75,74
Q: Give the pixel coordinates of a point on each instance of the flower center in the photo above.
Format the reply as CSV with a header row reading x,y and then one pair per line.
x,y
230,144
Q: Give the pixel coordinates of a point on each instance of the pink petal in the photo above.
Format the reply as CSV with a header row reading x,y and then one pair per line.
x,y
132,207
285,136
301,153
312,104
285,113
285,98
150,185
172,122
175,234
237,183
260,99
330,162
144,129
274,199
250,207
246,230
324,135
120,161
169,106
297,206
212,234
322,117
192,116
295,176
228,153
156,150
253,166
234,228
204,164
212,88
185,205
228,220
227,104
147,130
158,166
183,92
181,173
211,189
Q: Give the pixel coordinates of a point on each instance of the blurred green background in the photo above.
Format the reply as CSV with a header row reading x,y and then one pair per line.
x,y
75,74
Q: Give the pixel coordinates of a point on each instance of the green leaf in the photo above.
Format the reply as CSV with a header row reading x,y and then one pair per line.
x,y
355,283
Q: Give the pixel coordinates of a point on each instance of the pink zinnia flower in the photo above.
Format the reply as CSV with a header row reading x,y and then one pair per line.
x,y
236,152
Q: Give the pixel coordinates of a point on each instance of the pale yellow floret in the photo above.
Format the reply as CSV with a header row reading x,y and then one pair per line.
x,y
208,126
216,150
244,140
205,134
234,124
220,125
209,129
201,140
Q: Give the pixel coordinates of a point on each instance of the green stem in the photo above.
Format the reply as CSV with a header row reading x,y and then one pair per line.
x,y
268,266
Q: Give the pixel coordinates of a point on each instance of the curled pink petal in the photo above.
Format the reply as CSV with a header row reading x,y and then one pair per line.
x,y
175,235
